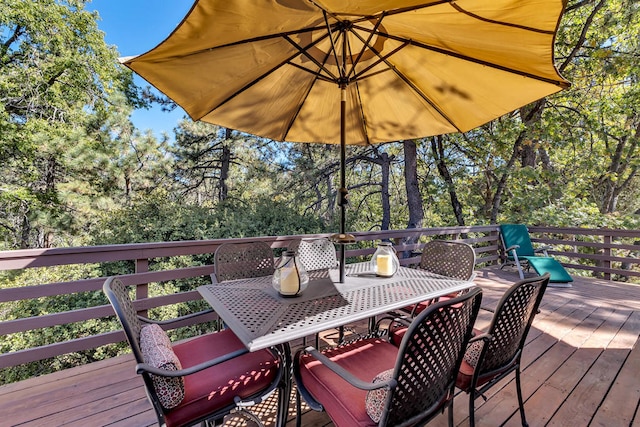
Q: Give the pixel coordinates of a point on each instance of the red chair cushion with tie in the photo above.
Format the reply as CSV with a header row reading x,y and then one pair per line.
x,y
217,386
344,403
468,365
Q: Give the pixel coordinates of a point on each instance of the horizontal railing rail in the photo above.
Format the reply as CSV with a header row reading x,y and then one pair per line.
x,y
610,253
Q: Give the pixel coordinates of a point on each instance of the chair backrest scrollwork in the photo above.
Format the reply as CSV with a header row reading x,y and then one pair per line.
x,y
452,259
315,254
233,261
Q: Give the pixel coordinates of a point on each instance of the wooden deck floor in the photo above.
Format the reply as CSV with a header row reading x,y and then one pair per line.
x,y
581,368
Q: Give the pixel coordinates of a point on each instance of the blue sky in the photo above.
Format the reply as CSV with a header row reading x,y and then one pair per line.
x,y
134,27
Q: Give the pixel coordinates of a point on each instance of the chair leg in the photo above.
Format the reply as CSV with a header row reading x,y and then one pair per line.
x,y
472,406
450,416
520,400
520,272
298,410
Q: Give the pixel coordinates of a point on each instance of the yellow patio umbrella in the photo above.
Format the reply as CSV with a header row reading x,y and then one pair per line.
x,y
356,71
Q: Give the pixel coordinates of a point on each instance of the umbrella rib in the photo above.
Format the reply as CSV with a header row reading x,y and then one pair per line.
x,y
259,78
366,44
466,12
381,59
493,21
315,73
417,90
424,97
247,41
561,83
341,69
362,116
317,76
299,107
304,51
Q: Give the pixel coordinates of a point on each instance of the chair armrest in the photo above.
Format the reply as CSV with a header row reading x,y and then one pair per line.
x,y
399,319
144,367
512,248
485,337
348,376
405,321
177,319
543,249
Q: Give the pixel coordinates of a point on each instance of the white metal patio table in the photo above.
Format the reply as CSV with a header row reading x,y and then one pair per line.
x,y
261,318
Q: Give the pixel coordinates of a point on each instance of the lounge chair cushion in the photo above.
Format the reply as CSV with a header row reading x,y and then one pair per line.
x,y
374,403
157,351
344,403
549,265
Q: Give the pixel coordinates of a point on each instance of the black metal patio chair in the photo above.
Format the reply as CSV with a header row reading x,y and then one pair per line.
x,y
371,382
447,258
315,254
201,379
443,257
493,355
232,261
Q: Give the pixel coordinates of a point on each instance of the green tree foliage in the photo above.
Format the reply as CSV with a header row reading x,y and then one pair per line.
x,y
59,85
51,305
158,218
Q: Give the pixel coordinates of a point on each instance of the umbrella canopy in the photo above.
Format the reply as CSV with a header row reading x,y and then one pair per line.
x,y
395,69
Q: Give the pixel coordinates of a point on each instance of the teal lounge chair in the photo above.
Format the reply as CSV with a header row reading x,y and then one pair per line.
x,y
519,250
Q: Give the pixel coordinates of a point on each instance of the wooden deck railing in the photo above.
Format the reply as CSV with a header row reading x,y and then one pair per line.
x,y
612,253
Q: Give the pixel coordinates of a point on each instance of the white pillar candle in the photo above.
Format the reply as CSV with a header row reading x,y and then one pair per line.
x,y
289,282
385,265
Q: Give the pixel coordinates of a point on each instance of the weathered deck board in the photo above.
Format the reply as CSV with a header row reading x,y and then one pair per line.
x,y
581,367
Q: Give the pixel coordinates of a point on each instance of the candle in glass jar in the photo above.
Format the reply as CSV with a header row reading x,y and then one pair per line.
x,y
289,282
385,265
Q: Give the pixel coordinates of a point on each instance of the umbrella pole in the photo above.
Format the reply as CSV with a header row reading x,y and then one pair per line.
x,y
343,238
343,180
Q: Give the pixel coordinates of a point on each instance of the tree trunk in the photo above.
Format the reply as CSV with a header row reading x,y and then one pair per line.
x,y
385,162
414,198
621,169
225,163
25,227
437,148
528,154
530,115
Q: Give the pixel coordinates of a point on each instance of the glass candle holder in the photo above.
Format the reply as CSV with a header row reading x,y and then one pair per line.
x,y
384,261
290,278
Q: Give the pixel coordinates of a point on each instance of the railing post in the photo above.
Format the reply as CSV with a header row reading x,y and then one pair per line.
x,y
142,291
607,253
496,234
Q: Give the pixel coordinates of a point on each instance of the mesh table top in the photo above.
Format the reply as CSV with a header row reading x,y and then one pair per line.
x,y
261,318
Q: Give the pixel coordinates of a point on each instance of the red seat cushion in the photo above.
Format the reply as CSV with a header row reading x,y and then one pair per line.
x,y
215,388
396,335
465,374
344,403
